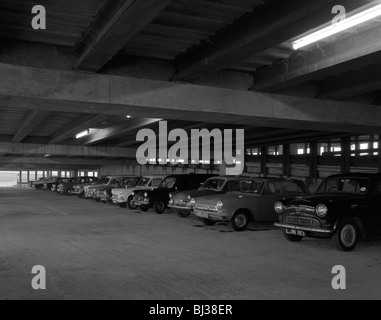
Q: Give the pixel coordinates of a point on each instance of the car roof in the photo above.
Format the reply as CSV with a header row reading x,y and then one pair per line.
x,y
357,175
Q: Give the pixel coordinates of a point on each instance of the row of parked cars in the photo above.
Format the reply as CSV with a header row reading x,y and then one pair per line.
x,y
344,208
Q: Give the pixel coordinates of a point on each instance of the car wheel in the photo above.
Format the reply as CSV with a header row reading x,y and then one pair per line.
x,y
82,195
159,207
208,222
144,209
346,236
183,214
292,237
69,192
131,205
240,221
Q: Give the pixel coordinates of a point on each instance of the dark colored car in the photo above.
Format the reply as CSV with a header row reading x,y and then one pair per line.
x,y
68,187
345,208
52,184
39,184
159,198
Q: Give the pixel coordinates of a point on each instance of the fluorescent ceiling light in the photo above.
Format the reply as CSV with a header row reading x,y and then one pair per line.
x,y
350,22
86,133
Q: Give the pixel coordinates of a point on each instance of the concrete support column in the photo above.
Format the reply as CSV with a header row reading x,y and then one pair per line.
x,y
346,154
20,179
264,161
379,153
286,160
314,174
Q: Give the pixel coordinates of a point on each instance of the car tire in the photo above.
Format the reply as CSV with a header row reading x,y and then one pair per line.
x,y
208,222
130,205
240,221
159,207
183,214
82,195
291,237
347,236
69,192
144,209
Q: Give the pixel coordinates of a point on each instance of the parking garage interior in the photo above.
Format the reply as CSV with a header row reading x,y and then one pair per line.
x,y
109,68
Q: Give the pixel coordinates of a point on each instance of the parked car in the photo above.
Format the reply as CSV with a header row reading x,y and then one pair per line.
x,y
344,208
32,183
123,196
68,187
105,194
183,203
39,184
159,198
79,188
52,183
254,201
112,181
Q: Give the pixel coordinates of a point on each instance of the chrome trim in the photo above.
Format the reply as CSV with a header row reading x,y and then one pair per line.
x,y
288,226
180,208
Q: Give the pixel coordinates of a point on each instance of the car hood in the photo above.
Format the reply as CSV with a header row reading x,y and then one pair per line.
x,y
195,194
233,196
326,199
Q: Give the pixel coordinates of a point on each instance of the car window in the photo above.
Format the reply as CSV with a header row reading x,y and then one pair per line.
x,y
275,187
291,188
168,183
377,187
344,185
156,182
213,184
233,186
251,186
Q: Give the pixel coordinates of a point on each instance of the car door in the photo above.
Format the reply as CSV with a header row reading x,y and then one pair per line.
x,y
374,212
272,192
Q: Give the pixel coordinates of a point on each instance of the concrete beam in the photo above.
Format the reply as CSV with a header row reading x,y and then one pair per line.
x,y
64,91
31,121
268,26
118,22
81,124
352,84
357,50
118,131
66,150
59,161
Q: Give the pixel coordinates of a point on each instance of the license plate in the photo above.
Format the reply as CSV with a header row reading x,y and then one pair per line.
x,y
202,215
293,232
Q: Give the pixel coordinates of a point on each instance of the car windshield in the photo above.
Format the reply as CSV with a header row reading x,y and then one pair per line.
x,y
213,184
128,182
143,182
105,181
168,183
251,186
75,180
344,185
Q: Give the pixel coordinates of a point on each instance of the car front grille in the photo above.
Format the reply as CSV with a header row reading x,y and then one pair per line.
x,y
206,207
304,222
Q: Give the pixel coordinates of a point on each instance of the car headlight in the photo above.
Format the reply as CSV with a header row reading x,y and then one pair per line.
x,y
189,198
133,194
170,196
279,207
321,210
171,202
192,202
145,195
220,206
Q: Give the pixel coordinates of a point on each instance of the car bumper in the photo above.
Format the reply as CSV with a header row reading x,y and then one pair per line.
x,y
302,228
117,200
77,192
180,208
142,203
211,215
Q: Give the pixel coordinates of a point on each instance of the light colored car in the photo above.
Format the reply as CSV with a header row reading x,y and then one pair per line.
x,y
79,188
183,203
104,194
123,196
90,191
254,201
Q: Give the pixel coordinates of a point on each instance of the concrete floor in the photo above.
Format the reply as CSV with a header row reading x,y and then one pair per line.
x,y
97,251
